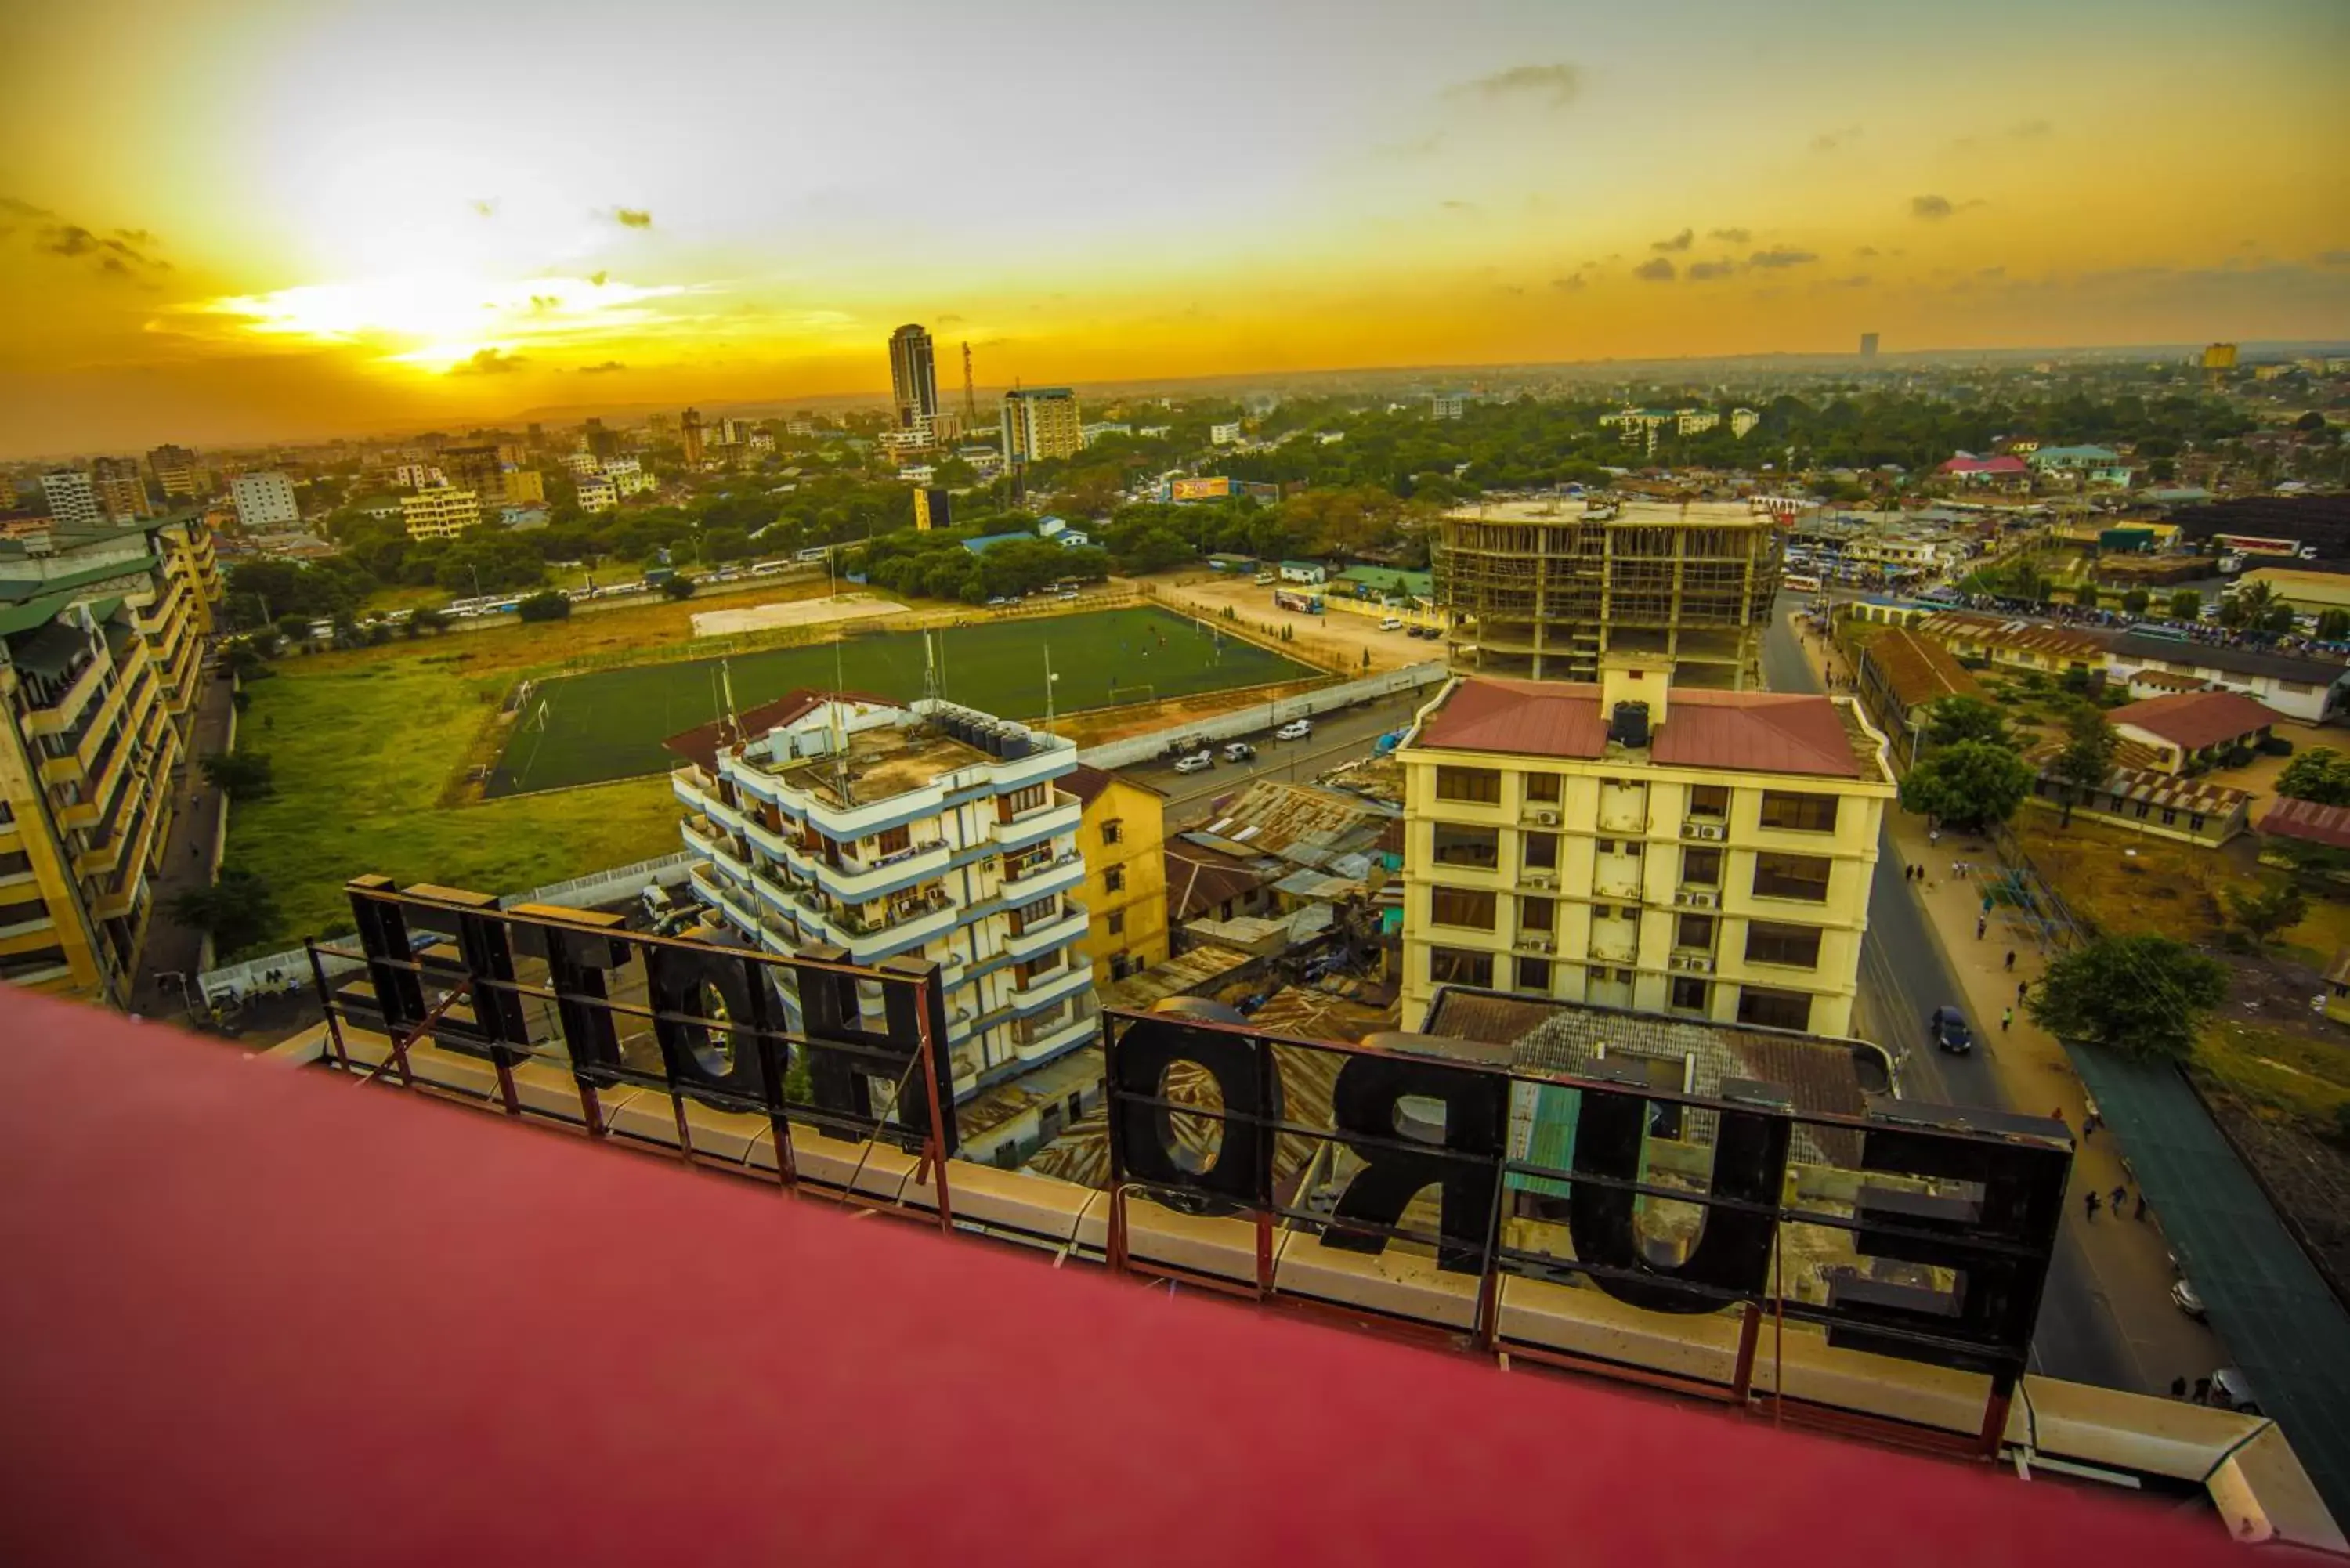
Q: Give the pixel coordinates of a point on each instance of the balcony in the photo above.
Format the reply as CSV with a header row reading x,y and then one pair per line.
x,y
1074,975
1056,1040
59,717
1039,877
702,837
1059,815
854,879
1066,925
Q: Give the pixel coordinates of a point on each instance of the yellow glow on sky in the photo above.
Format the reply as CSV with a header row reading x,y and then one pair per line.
x,y
298,217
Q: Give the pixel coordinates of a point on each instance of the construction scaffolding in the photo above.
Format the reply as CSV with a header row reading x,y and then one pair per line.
x,y
1540,589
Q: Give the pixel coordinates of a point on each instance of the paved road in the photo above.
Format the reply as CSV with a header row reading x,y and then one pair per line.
x,y
1903,978
1337,738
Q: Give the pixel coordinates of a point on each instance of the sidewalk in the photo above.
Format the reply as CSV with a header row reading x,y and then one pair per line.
x,y
2128,1260
187,861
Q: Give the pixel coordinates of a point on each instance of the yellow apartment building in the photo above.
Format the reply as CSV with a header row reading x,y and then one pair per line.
x,y
102,634
1122,836
439,514
1694,852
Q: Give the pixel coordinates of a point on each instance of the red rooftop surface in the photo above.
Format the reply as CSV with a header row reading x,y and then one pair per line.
x,y
1752,731
259,1317
700,745
2308,820
2194,720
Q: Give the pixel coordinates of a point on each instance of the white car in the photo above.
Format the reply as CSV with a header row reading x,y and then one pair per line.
x,y
1391,624
1295,729
1195,763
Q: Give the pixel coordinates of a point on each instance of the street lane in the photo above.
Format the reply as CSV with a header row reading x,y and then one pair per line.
x,y
1903,978
1337,738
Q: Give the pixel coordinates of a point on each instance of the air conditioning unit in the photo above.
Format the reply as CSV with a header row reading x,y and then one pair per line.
x,y
1697,963
1692,830
1546,818
1540,880
1535,941
1709,830
1702,901
1684,899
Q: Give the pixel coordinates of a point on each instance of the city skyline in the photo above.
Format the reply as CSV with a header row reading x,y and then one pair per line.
x,y
342,247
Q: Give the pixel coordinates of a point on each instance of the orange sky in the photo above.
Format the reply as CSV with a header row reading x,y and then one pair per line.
x,y
288,218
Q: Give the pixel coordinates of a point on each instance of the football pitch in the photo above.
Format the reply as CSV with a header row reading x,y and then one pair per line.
x,y
609,724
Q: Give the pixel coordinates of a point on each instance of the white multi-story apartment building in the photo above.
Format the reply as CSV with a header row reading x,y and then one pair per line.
x,y
932,831
628,476
1447,406
1634,845
1695,421
583,464
1227,434
72,498
598,493
440,513
417,476
1742,421
265,502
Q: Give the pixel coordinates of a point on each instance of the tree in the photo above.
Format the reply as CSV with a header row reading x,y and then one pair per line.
x,y
679,586
2087,759
549,606
2142,996
240,775
429,621
2334,625
2085,594
2135,600
236,911
2256,607
1960,718
2312,421
2320,775
2277,905
2186,604
1972,783
244,660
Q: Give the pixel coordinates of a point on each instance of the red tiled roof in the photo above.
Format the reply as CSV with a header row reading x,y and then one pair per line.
x,y
1963,463
1917,669
2149,676
1199,879
1543,718
2195,719
1757,731
2308,820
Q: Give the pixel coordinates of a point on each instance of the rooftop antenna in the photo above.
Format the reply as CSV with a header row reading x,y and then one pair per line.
x,y
970,398
930,667
839,730
1049,679
726,685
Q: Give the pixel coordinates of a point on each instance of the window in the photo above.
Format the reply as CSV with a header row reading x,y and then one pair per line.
x,y
1459,966
1533,974
893,841
1773,1009
1036,912
1804,877
1114,879
1797,946
1537,915
1709,800
1542,788
1479,846
1701,867
1116,924
2169,817
1689,994
1538,851
1797,813
2195,822
1024,974
1021,800
1696,931
1464,907
1113,830
1482,786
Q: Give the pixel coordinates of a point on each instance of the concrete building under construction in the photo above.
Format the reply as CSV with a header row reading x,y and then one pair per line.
x,y
1540,589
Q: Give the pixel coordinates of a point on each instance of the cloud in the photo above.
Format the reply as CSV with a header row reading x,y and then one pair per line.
x,y
18,208
68,240
1569,284
949,320
1857,280
1679,241
1931,207
1555,85
605,368
1655,270
1780,258
2031,130
1729,236
632,217
1700,272
488,363
1829,141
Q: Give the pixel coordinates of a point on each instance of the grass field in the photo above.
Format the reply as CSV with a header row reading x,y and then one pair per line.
x,y
609,724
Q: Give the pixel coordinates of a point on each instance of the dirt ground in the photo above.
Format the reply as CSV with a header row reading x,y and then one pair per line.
x,y
1337,641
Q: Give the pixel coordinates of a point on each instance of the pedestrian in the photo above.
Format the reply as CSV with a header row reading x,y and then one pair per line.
x,y
2011,961
2089,1207
2005,1019
2092,1122
1982,924
2023,988
2118,1194
1933,836
2178,1389
2058,1112
2140,1213
2202,1390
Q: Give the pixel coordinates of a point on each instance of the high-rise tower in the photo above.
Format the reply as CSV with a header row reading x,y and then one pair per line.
x,y
913,378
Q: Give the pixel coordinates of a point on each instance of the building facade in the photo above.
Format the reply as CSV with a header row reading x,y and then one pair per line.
x,y
1122,836
1637,844
1544,589
175,471
102,634
689,436
931,831
121,492
1041,424
72,498
913,376
265,502
439,514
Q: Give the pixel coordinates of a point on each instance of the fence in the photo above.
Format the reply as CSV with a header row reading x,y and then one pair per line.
x,y
1258,717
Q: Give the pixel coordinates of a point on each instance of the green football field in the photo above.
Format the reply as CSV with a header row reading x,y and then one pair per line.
x,y
586,729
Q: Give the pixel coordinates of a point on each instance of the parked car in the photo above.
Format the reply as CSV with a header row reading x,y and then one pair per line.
x,y
2183,1297
1433,633
2232,1390
1295,729
1947,1029
1391,624
1196,762
1239,751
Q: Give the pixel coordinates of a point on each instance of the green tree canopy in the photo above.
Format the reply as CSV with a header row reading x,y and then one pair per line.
x,y
2274,907
241,775
235,911
2334,625
2142,996
2320,774
2087,759
1967,718
2186,604
1968,783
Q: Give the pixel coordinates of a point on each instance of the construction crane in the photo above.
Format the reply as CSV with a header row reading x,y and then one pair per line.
x,y
970,398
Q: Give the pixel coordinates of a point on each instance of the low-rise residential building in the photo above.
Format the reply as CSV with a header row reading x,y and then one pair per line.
x,y
1901,677
265,502
2309,593
439,514
2144,799
1447,406
2016,644
2304,688
1122,836
598,493
627,476
1637,844
1743,421
583,464
2191,731
101,634
1225,434
2073,459
845,823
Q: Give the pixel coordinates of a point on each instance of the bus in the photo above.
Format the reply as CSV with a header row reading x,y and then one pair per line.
x,y
1798,582
1291,599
